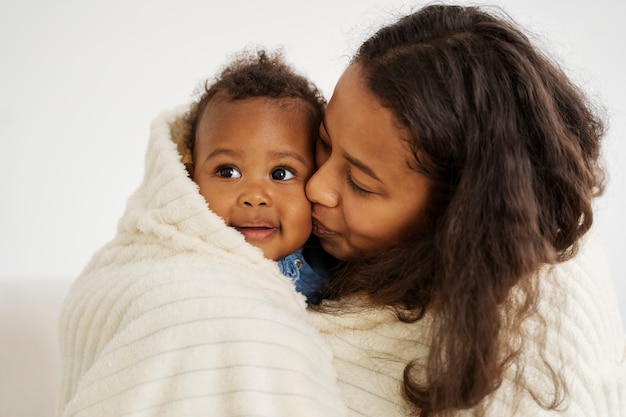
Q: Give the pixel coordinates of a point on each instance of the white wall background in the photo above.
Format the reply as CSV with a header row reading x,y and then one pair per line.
x,y
80,82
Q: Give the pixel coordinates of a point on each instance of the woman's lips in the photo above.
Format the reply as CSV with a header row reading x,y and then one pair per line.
x,y
320,230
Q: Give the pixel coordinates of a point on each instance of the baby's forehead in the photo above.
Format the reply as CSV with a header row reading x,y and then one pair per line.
x,y
282,110
267,126
286,104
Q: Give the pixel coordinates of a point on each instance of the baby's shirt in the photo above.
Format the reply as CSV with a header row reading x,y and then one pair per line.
x,y
308,280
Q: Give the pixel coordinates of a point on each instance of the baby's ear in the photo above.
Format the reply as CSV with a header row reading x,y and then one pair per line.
x,y
189,167
179,131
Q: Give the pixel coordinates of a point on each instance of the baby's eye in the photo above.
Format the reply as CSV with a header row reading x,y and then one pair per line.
x,y
282,174
228,172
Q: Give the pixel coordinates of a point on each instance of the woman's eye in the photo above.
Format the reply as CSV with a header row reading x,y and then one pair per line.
x,y
282,174
228,172
356,188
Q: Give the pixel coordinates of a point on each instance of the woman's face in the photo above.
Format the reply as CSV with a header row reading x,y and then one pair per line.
x,y
365,195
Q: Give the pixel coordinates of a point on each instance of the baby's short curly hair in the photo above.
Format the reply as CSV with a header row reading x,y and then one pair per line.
x,y
256,74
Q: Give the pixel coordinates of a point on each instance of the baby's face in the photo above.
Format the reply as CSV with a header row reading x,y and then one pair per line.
x,y
252,160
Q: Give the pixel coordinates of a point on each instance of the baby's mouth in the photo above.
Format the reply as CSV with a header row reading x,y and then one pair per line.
x,y
257,231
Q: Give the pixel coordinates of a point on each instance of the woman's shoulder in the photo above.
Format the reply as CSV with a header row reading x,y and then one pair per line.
x,y
371,348
579,301
577,336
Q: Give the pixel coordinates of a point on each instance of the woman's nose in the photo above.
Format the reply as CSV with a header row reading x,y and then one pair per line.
x,y
321,189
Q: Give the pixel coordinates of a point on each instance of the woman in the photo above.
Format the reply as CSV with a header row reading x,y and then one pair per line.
x,y
457,170
455,163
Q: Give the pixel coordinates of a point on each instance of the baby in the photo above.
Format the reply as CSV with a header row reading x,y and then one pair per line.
x,y
249,145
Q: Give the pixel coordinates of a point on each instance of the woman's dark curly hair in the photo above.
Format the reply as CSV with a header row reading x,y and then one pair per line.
x,y
256,74
512,149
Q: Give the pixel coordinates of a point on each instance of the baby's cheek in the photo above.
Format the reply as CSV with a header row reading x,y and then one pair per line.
x,y
301,215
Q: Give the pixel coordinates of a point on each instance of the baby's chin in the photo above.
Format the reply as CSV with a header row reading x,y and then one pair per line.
x,y
275,254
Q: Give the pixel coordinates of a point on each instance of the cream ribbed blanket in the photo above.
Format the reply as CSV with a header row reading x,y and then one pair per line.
x,y
179,316
585,341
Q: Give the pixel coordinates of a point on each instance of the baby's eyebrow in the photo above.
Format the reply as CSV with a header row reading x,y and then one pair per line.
x,y
222,151
293,155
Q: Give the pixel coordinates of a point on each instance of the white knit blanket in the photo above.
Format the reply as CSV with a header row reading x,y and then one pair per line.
x,y
584,341
179,316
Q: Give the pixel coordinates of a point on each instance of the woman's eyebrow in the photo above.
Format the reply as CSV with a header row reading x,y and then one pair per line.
x,y
361,166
